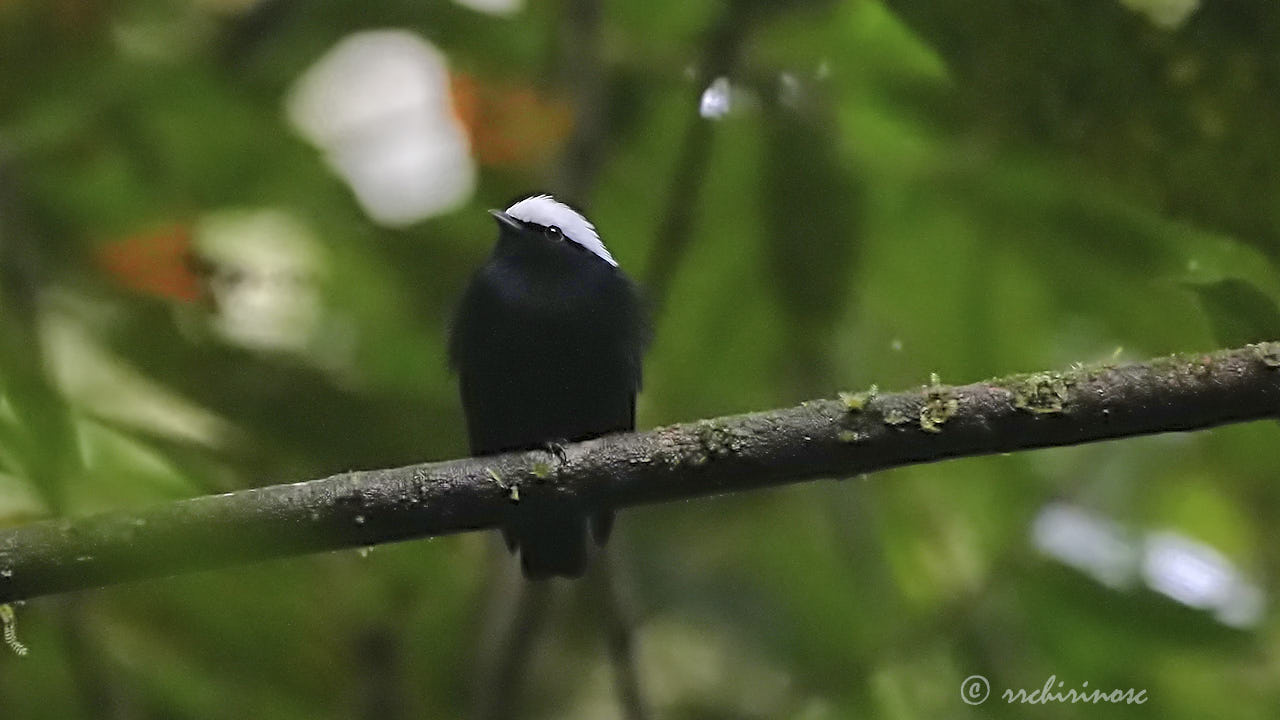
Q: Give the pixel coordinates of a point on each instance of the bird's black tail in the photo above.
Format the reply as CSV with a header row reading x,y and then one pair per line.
x,y
551,545
554,544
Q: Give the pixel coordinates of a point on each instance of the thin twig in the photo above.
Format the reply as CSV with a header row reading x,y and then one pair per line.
x,y
618,619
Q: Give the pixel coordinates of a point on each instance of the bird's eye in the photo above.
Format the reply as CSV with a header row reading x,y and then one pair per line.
x,y
554,233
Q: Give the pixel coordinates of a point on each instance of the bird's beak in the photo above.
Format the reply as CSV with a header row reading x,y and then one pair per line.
x,y
505,219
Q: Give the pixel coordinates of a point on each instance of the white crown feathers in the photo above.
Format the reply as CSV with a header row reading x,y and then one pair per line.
x,y
547,211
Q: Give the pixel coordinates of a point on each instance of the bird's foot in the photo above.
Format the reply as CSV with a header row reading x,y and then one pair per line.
x,y
556,448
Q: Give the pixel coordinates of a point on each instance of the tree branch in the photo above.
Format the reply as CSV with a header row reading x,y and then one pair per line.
x,y
720,55
824,438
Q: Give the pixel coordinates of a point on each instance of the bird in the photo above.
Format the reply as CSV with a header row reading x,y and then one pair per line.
x,y
547,342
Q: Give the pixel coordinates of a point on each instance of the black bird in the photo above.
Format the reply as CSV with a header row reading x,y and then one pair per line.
x,y
547,343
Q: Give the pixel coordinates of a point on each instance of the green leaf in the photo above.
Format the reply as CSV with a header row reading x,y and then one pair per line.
x,y
1239,312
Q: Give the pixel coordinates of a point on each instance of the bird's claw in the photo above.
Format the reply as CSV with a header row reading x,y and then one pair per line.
x,y
556,448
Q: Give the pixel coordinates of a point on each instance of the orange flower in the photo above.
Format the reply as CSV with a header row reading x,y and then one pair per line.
x,y
510,125
155,263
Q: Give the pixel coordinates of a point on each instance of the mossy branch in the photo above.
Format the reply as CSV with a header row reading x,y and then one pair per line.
x,y
856,433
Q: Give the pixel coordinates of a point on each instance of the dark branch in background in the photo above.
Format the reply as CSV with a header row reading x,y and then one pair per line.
x,y
583,74
620,638
720,57
509,642
824,438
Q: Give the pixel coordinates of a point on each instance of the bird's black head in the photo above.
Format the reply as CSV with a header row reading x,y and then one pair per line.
x,y
542,227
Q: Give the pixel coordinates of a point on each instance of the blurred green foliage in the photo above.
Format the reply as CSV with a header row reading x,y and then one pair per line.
x,y
907,187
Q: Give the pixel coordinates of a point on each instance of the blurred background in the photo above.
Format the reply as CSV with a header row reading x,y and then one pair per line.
x,y
231,234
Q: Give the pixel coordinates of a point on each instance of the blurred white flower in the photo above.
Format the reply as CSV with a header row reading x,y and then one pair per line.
x,y
378,105
1170,563
1167,14
717,99
493,7
1198,576
264,277
1087,542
